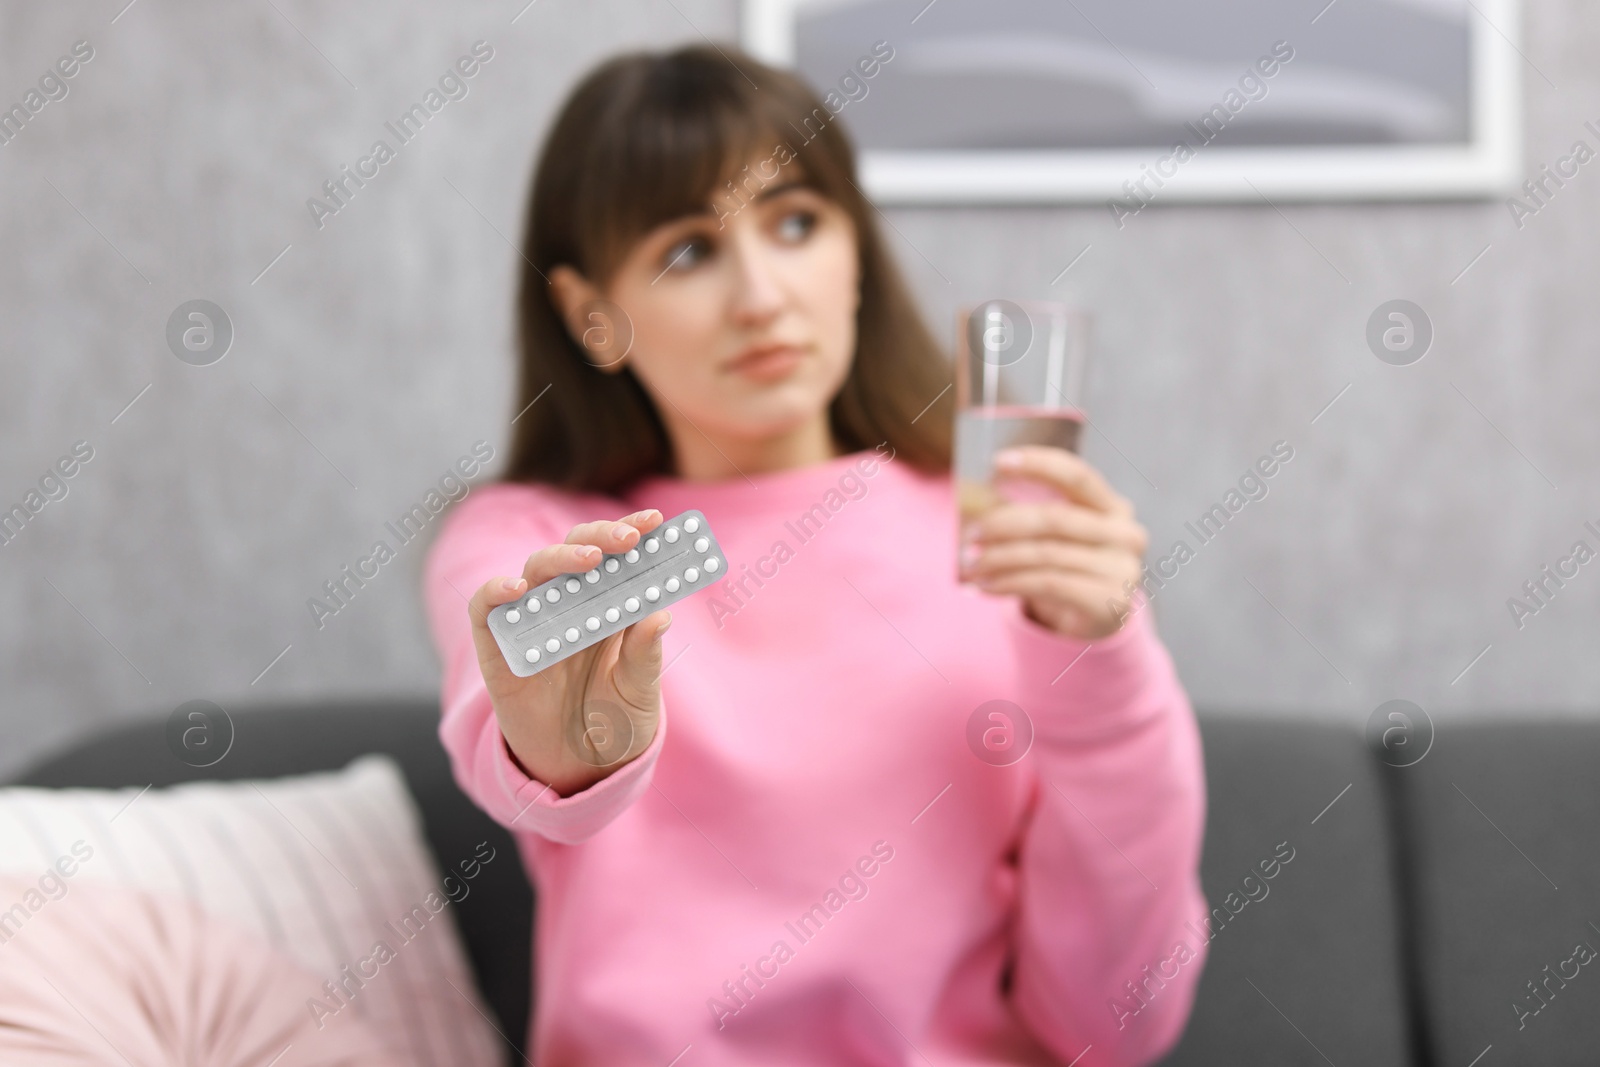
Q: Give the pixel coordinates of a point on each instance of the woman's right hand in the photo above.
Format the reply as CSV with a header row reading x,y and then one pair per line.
x,y
572,724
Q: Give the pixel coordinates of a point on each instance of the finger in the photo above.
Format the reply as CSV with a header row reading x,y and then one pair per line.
x,y
1061,520
491,594
1094,597
639,658
583,548
553,560
1066,471
1113,564
615,535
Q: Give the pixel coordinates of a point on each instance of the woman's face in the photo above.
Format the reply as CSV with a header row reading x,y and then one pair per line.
x,y
743,318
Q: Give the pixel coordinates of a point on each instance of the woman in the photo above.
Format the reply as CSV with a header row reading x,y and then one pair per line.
x,y
816,866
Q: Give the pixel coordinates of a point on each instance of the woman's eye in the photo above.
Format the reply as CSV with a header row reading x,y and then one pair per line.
x,y
686,253
797,225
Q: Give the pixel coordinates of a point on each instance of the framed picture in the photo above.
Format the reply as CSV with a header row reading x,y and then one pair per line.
x,y
1140,101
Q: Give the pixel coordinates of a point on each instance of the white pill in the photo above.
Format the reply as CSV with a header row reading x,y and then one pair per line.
x,y
553,645
632,555
652,544
553,595
533,605
652,594
592,576
612,615
671,534
691,524
591,624
673,584
571,635
573,586
532,655
612,565
701,544
632,603
513,616
712,563
692,574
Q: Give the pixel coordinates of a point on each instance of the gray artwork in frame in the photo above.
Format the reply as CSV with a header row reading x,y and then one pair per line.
x,y
1144,100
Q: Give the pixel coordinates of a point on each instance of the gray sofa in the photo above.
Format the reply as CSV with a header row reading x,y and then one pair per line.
x,y
1429,915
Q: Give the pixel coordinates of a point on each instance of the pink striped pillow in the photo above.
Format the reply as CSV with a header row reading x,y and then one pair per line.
x,y
105,975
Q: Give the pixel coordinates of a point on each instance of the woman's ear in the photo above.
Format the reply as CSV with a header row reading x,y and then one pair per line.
x,y
589,318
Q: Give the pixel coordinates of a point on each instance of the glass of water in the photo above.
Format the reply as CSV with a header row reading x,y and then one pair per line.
x,y
1019,381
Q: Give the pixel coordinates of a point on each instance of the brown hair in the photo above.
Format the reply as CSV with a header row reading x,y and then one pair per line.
x,y
647,138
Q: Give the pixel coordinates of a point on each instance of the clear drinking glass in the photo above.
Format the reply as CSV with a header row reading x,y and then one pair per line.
x,y
1019,380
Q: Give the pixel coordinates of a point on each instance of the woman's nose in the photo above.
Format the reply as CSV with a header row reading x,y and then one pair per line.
x,y
758,293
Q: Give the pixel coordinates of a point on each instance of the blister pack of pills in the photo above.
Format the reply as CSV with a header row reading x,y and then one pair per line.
x,y
571,612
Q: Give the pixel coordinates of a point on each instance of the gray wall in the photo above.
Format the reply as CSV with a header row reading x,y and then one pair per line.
x,y
376,351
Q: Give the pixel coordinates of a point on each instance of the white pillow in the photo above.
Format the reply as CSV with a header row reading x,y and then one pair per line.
x,y
330,868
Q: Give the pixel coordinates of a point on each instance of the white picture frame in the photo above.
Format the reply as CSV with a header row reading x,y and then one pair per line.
x,y
1485,164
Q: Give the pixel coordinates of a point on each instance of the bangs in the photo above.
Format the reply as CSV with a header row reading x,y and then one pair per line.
x,y
670,144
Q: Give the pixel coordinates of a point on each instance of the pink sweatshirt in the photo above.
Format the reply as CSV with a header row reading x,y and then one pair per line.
x,y
811,864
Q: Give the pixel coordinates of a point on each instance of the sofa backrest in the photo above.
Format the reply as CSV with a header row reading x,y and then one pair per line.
x,y
1501,823
1311,970
1363,913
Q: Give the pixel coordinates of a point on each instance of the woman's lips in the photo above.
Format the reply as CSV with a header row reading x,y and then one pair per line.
x,y
768,363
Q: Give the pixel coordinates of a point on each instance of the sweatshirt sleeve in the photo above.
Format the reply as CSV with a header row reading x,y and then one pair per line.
x,y
1106,954
493,532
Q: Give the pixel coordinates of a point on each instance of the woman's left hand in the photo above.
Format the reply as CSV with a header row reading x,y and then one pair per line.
x,y
1074,560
